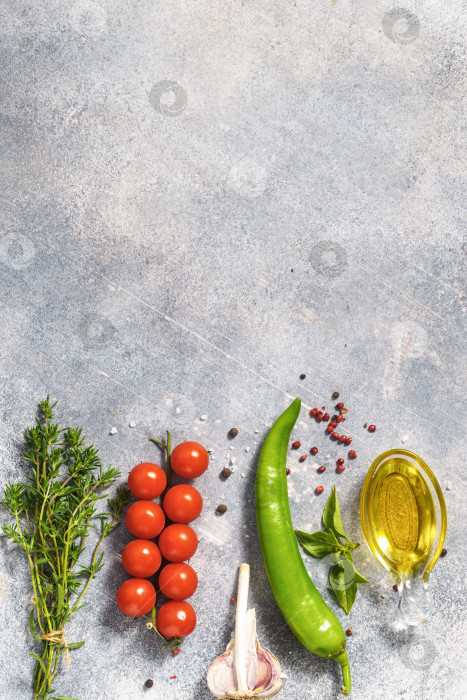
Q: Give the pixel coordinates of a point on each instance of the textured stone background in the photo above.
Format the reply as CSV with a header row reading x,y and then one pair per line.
x,y
200,201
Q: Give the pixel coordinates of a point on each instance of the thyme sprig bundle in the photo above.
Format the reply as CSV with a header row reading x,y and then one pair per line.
x,y
53,511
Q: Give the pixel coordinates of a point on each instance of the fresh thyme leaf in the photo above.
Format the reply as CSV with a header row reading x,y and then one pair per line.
x,y
52,512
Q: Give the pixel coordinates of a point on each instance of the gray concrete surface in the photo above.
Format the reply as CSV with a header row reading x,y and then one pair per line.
x,y
200,201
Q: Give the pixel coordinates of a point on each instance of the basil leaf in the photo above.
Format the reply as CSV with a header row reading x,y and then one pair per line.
x,y
358,577
319,543
344,587
332,515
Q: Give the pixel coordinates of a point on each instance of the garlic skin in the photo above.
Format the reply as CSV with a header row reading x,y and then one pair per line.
x,y
244,670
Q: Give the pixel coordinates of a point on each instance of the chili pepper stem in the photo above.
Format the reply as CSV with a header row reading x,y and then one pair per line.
x,y
344,662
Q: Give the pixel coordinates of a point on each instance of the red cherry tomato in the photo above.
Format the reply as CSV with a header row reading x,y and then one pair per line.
x,y
178,581
145,519
189,460
136,597
141,558
182,503
147,481
178,542
176,618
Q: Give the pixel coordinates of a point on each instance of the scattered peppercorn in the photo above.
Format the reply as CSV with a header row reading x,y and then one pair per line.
x,y
287,471
226,472
396,587
314,450
302,458
296,445
176,651
335,436
233,432
365,424
320,470
334,418
349,632
323,408
313,412
348,441
303,376
149,683
342,438
319,416
443,552
233,600
340,419
340,461
371,428
340,469
326,416
319,489
173,676
335,395
222,508
330,428
339,405
352,454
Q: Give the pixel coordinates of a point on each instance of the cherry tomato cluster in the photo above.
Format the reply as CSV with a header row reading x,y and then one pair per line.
x,y
177,542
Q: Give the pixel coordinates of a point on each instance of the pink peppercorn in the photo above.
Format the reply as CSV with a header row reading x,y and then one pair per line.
x,y
333,424
176,651
340,468
342,438
326,416
319,489
339,405
320,470
287,471
348,441
319,416
335,436
313,412
371,428
352,454
314,450
302,458
296,445
330,428
340,419
340,461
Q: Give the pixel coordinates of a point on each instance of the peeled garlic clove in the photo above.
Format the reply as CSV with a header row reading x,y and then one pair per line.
x,y
244,670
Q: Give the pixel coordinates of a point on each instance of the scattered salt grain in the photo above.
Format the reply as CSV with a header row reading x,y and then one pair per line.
x,y
203,417
113,431
132,424
405,438
178,409
243,476
256,431
247,449
448,485
231,447
233,460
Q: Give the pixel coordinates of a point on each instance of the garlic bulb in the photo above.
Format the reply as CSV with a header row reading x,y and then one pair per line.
x,y
244,670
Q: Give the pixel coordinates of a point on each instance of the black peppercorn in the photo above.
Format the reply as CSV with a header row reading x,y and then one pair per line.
x,y
303,376
443,552
226,472
222,508
149,683
233,432
335,395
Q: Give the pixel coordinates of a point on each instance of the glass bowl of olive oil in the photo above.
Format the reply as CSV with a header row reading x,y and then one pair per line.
x,y
403,517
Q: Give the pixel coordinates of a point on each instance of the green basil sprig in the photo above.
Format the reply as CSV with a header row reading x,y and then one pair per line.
x,y
343,576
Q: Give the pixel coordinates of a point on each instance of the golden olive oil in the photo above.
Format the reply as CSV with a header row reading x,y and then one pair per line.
x,y
401,516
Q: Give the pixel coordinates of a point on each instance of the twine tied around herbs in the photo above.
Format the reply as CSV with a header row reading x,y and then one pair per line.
x,y
58,638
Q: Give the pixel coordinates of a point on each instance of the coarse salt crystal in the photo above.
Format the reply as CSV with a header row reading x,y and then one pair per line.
x,y
448,485
233,460
256,431
243,476
132,424
203,417
405,438
113,431
247,449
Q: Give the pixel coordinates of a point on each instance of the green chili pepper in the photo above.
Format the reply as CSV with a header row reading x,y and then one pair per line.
x,y
306,613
